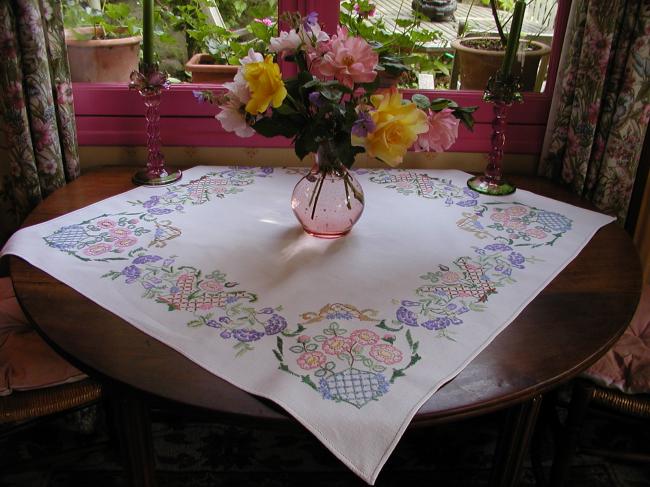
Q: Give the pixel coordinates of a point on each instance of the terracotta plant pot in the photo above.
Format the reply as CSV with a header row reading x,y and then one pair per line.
x,y
101,60
477,65
204,70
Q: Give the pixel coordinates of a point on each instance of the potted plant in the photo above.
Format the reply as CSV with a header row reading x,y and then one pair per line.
x,y
102,39
480,57
214,50
401,50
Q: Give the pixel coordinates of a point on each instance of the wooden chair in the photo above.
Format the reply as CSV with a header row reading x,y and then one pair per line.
x,y
618,383
34,381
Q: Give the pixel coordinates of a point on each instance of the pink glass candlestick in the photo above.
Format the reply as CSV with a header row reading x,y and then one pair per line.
x,y
492,182
150,84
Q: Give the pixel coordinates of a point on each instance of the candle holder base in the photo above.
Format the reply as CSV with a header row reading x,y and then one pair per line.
x,y
168,176
484,185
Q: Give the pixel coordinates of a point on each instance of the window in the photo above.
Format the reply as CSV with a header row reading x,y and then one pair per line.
x,y
109,114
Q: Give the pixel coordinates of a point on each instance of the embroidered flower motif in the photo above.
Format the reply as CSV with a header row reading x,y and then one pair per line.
x,y
303,339
126,242
131,273
450,277
498,247
311,360
516,259
97,249
120,232
105,223
385,353
364,337
536,233
439,323
247,335
337,345
275,324
406,316
144,259
211,286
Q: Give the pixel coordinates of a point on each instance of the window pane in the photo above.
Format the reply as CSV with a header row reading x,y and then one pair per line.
x,y
426,41
221,30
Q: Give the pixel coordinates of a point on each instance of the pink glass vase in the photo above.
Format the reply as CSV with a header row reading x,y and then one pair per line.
x,y
329,200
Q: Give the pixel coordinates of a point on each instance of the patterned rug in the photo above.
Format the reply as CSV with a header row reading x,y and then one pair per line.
x,y
192,454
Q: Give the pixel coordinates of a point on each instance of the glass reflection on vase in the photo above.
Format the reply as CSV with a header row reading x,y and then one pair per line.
x,y
328,201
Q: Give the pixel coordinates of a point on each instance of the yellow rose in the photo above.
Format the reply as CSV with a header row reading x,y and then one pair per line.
x,y
265,84
397,127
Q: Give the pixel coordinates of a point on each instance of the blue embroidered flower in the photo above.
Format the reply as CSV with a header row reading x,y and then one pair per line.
x,y
406,316
498,247
144,259
159,211
275,325
516,259
439,323
131,273
247,335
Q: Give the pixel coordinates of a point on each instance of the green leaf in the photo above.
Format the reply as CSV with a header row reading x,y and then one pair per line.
x,y
277,355
421,101
307,380
278,342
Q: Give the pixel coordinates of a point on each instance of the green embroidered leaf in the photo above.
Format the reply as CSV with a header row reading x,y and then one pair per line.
x,y
279,344
195,323
383,326
298,331
277,355
307,380
409,338
397,373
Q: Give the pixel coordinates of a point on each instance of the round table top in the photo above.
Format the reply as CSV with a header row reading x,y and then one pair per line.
x,y
571,323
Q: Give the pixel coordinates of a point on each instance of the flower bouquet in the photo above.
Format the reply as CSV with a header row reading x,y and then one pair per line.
x,y
333,107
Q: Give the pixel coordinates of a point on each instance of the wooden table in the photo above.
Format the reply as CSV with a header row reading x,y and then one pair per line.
x,y
567,327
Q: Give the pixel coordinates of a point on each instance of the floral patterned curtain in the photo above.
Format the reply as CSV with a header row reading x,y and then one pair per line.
x,y
602,102
36,101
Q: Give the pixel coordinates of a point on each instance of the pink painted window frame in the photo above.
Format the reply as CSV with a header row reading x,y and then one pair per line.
x,y
110,114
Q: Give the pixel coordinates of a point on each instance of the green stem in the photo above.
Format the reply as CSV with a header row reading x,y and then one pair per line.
x,y
320,186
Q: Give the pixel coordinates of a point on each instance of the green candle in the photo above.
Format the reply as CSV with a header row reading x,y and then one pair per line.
x,y
513,37
147,32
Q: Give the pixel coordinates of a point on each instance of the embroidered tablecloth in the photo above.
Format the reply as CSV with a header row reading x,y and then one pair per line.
x,y
351,336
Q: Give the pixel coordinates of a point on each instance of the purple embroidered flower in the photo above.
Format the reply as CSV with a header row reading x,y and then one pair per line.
x,y
178,207
213,324
159,211
247,335
174,289
472,194
143,259
462,309
267,170
439,323
467,203
224,319
266,311
275,325
456,321
451,306
516,259
410,303
340,315
498,247
147,285
168,262
225,334
363,125
231,299
131,273
406,316
151,202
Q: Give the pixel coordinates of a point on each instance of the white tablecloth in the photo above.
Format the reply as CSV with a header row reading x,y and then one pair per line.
x,y
351,336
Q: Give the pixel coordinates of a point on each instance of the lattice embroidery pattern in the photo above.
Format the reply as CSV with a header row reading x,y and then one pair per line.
x,y
209,299
346,360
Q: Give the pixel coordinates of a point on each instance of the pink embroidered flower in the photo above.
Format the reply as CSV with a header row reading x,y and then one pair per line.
x,y
64,93
450,277
516,211
97,249
133,221
105,223
205,306
443,132
349,60
337,345
515,224
311,360
536,233
303,339
364,337
499,216
386,354
389,337
120,232
126,242
211,286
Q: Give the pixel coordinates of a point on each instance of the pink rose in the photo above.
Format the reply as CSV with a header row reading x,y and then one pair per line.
x,y
364,337
443,132
349,60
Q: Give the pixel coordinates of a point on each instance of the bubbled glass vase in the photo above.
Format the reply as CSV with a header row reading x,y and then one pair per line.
x,y
328,201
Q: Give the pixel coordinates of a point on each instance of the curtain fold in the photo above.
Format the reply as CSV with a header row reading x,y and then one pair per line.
x,y
37,107
601,102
